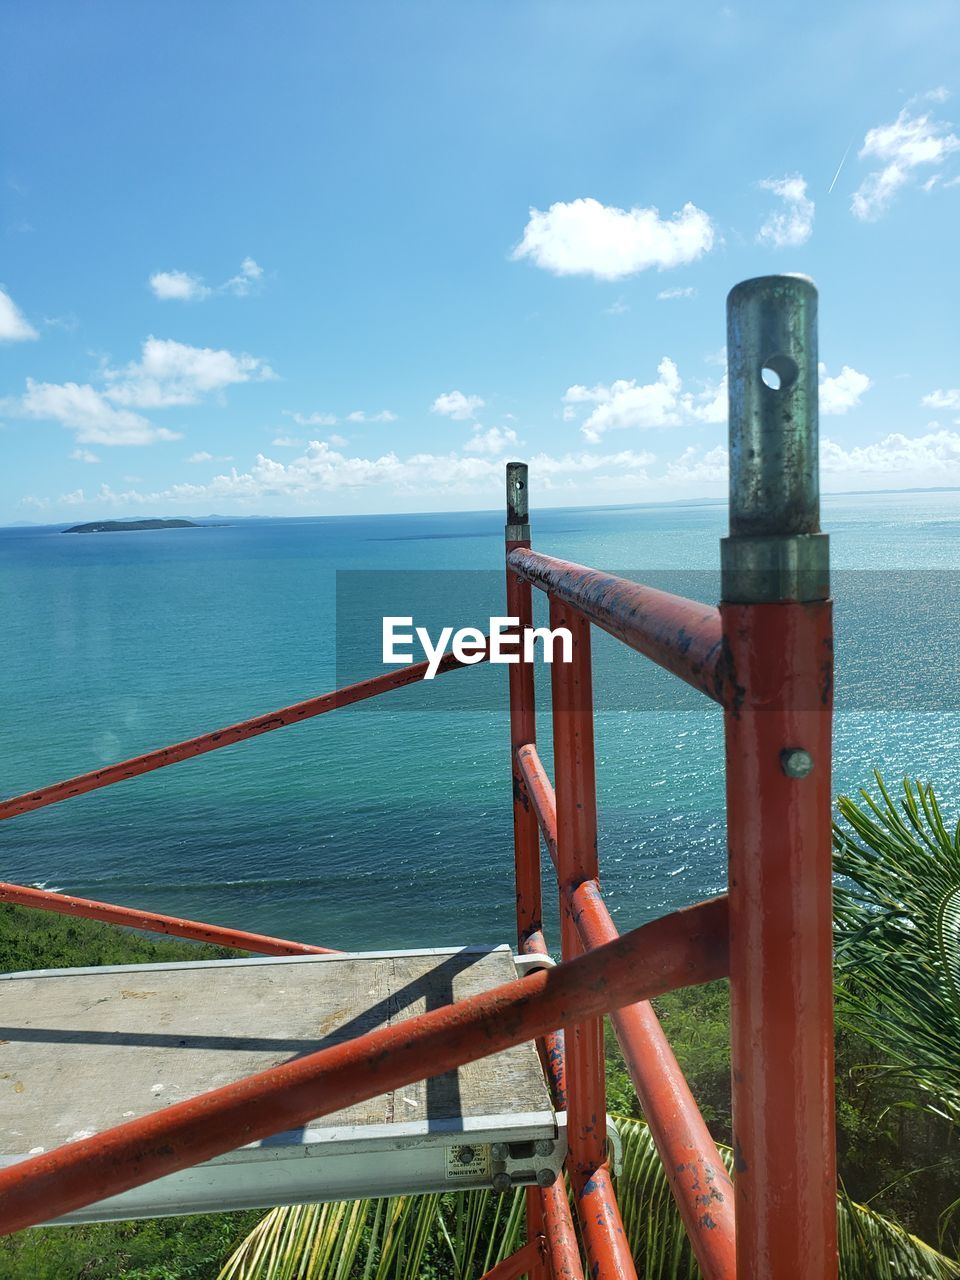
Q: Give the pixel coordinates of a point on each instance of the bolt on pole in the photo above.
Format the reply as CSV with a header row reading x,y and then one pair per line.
x,y
778,642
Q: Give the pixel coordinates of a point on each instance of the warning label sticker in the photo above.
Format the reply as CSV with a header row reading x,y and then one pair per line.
x,y
468,1161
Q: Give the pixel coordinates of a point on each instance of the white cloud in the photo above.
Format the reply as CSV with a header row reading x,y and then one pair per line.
x,y
338,442
312,419
84,410
617,308
286,442
249,275
454,404
942,399
494,442
168,373
84,455
667,295
179,286
626,403
585,237
14,327
68,324
787,228
173,373
924,459
662,403
711,404
574,465
694,467
323,470
844,392
930,458
908,144
201,456
385,415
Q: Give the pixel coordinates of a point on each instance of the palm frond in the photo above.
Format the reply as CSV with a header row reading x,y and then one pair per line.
x,y
897,932
468,1233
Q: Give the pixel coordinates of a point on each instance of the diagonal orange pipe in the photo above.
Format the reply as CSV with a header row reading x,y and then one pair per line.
x,y
681,949
698,1177
239,732
132,918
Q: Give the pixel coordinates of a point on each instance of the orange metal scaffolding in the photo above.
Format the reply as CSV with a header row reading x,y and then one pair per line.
x,y
765,655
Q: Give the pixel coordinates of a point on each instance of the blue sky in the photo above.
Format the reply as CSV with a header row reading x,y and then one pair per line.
x,y
325,258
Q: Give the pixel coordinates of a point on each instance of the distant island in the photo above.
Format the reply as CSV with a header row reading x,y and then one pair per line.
x,y
124,526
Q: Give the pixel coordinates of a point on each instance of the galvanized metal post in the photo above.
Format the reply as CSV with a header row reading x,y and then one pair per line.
x,y
523,729
777,632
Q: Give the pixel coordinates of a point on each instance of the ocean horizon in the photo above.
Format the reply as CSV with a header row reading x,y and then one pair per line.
x,y
391,825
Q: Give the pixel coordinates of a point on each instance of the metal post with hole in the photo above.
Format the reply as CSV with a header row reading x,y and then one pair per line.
x,y
778,639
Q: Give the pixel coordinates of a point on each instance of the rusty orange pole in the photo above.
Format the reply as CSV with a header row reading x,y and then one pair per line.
x,y
131,918
523,729
56,792
527,1261
778,640
690,1158
576,798
526,835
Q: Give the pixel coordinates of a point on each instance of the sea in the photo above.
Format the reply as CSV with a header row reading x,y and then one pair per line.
x,y
389,825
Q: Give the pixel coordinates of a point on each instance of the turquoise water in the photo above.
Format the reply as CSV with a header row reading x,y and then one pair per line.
x,y
392,826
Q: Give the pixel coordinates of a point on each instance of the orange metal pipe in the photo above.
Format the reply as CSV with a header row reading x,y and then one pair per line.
x,y
780,940
697,1175
523,728
561,1240
561,1253
550,1046
537,1266
206,742
131,918
650,960
539,789
601,1227
561,1248
525,1262
608,1254
526,838
577,854
680,635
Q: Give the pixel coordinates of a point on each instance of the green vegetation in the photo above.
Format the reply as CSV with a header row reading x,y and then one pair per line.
x,y
41,940
897,930
125,526
460,1237
898,1102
